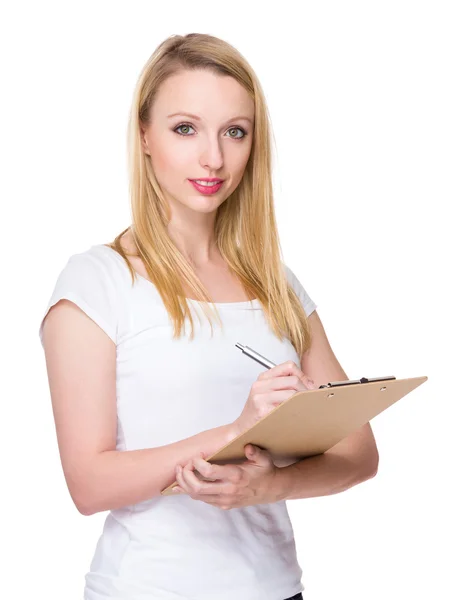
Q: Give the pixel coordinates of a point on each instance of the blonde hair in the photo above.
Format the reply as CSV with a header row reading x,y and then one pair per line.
x,y
245,225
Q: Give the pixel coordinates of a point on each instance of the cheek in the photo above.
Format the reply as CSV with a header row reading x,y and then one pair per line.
x,y
239,167
169,162
241,157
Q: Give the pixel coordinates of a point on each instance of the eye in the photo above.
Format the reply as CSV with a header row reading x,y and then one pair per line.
x,y
239,129
187,125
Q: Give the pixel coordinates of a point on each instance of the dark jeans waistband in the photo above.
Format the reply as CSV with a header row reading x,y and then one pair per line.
x,y
298,596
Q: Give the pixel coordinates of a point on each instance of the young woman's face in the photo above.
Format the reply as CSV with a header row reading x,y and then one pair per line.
x,y
217,144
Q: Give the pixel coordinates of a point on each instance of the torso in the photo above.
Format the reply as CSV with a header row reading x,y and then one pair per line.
x,y
221,284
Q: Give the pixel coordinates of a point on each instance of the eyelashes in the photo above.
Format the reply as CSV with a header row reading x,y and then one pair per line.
x,y
189,125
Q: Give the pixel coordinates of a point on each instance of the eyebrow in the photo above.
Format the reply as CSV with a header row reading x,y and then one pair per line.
x,y
197,118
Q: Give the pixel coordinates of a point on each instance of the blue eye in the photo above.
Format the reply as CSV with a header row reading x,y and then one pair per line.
x,y
187,125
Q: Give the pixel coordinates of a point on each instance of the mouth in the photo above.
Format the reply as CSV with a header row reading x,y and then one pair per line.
x,y
208,181
207,187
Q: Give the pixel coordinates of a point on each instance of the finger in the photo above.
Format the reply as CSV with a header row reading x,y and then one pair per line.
x,y
180,480
276,398
286,382
279,388
216,472
189,481
186,478
283,369
198,487
289,369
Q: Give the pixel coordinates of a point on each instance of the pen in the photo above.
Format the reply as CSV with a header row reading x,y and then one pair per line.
x,y
255,356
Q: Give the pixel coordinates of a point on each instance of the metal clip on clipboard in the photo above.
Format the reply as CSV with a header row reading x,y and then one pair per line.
x,y
352,381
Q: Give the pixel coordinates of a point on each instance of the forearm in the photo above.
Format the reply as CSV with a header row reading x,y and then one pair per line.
x,y
120,478
322,475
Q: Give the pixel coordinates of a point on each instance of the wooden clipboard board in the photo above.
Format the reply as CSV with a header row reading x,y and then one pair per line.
x,y
313,421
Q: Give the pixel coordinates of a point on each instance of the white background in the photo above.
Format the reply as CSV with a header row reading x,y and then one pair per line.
x,y
362,97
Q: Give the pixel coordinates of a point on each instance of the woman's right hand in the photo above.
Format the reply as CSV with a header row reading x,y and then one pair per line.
x,y
272,387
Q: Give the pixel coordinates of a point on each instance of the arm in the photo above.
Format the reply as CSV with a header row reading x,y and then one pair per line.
x,y
350,462
330,473
121,478
81,365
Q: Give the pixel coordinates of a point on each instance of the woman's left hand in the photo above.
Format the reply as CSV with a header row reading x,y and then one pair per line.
x,y
234,486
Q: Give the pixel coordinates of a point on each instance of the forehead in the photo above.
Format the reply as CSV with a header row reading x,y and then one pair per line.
x,y
211,96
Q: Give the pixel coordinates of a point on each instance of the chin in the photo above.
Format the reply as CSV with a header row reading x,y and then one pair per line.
x,y
205,204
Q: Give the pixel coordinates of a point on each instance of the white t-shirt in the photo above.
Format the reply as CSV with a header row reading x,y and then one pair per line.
x,y
174,547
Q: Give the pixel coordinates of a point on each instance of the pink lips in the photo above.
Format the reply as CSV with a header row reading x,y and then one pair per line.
x,y
207,190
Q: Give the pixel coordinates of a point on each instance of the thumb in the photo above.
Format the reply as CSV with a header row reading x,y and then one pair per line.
x,y
255,453
250,450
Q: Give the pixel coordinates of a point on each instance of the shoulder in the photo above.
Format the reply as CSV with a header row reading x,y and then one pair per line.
x,y
291,277
308,303
98,254
95,280
289,273
99,262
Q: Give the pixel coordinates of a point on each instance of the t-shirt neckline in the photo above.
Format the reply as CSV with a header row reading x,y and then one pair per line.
x,y
244,303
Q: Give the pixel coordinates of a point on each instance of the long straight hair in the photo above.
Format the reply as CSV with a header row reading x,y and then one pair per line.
x,y
245,226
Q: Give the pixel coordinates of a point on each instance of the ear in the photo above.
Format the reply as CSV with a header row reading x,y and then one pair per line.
x,y
144,142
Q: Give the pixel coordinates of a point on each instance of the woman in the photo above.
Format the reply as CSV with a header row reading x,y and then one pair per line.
x,y
144,387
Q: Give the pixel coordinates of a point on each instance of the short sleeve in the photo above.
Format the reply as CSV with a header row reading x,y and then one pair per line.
x,y
308,304
87,281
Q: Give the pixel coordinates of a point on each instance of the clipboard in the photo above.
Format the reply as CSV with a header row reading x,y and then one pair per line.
x,y
311,422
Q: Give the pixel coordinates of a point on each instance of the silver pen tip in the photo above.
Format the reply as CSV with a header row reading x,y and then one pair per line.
x,y
240,346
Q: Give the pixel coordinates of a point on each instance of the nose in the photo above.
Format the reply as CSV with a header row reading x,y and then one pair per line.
x,y
211,156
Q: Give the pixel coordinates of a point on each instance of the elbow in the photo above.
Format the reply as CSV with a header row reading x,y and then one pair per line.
x,y
371,474
83,511
86,509
375,468
82,506
365,466
84,491
371,465
87,505
81,499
